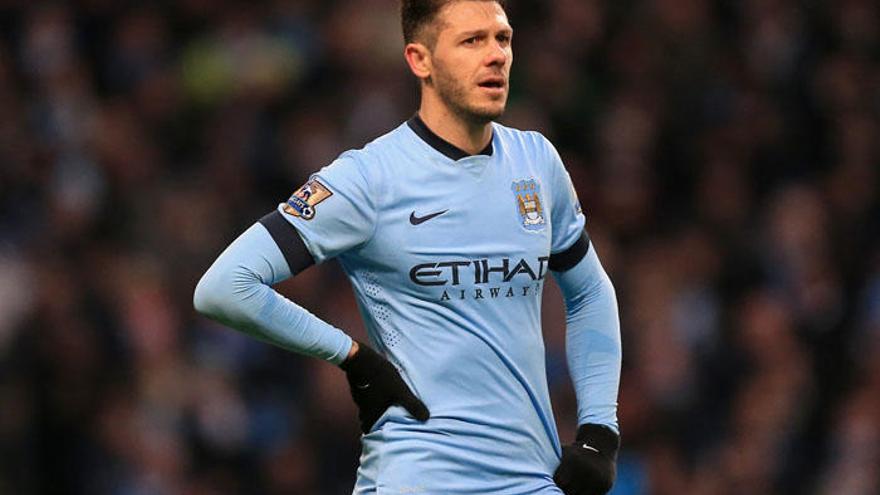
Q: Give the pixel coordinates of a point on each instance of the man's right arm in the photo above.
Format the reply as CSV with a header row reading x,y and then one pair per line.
x,y
330,214
236,291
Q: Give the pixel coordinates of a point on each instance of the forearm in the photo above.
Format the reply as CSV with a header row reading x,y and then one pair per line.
x,y
236,291
593,346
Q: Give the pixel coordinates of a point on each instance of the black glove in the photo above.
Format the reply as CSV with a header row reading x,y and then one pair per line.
x,y
588,467
375,385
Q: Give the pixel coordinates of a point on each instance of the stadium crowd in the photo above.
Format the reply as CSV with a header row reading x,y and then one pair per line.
x,y
726,153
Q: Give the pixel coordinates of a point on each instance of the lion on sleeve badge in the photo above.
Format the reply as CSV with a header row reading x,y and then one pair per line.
x,y
302,203
527,194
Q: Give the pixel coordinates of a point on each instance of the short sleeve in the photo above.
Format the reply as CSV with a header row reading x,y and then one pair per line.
x,y
566,216
334,211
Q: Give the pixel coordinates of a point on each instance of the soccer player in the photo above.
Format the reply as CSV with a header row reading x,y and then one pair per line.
x,y
447,228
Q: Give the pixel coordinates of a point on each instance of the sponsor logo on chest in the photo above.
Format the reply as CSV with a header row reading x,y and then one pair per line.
x,y
482,279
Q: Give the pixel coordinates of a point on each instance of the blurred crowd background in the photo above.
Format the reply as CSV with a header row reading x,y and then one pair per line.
x,y
727,154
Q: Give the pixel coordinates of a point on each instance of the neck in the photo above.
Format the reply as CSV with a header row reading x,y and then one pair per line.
x,y
469,136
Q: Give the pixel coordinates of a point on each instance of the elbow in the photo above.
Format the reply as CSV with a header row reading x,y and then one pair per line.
x,y
202,298
222,295
207,296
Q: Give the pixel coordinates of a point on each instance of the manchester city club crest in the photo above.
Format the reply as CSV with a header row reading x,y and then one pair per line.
x,y
528,203
303,202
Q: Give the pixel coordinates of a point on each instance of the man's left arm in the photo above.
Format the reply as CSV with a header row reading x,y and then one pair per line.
x,y
593,348
592,344
593,351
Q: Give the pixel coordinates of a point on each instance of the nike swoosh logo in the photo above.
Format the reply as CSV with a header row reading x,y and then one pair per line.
x,y
413,219
594,449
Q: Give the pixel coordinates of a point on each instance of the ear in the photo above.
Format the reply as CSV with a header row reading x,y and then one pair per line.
x,y
418,57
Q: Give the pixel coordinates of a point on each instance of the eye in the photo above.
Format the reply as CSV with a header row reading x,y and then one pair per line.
x,y
471,41
503,39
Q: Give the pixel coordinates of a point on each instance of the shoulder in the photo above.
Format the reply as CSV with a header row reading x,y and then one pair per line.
x,y
530,143
379,148
528,139
364,168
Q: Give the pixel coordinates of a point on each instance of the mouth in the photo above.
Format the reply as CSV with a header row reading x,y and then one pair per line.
x,y
493,84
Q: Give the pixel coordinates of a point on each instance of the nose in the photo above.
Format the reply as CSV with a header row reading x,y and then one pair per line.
x,y
497,55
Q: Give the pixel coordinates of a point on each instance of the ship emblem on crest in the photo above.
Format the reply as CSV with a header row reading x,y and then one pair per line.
x,y
528,203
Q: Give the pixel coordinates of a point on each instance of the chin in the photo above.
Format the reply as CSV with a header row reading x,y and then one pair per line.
x,y
494,114
488,113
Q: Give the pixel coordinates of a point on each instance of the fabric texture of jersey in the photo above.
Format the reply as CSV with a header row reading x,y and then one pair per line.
x,y
448,260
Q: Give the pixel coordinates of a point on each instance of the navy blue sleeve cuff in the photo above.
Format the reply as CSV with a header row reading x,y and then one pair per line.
x,y
288,240
565,260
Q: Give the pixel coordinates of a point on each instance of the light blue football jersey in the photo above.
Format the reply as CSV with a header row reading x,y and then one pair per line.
x,y
448,255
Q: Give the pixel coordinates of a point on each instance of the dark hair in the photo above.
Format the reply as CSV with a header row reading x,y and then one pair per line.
x,y
415,14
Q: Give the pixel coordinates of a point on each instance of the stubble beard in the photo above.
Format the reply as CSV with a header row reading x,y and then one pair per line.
x,y
454,95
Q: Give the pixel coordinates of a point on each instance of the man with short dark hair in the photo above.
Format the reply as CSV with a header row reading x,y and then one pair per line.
x,y
447,227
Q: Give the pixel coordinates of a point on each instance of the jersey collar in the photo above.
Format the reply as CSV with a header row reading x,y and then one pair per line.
x,y
438,143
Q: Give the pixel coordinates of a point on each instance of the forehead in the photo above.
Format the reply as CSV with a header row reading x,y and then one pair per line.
x,y
472,15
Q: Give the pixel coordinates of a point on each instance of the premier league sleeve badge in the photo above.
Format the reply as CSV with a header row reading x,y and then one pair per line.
x,y
302,203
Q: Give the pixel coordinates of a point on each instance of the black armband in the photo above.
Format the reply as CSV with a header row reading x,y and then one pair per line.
x,y
565,260
289,242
